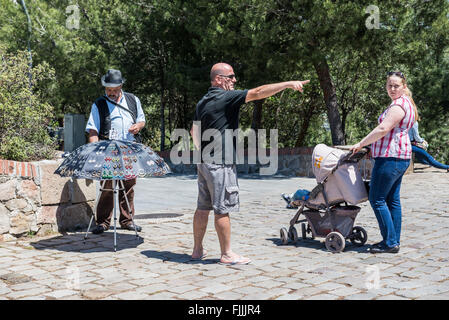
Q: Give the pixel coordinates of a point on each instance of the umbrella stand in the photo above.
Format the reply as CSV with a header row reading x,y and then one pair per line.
x,y
116,188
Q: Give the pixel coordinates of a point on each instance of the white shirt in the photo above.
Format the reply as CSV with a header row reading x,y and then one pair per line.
x,y
121,120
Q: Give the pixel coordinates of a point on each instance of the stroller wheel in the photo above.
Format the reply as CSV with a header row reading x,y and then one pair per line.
x,y
335,242
304,231
358,236
284,236
293,234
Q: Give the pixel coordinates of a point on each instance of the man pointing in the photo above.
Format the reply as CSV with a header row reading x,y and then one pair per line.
x,y
217,182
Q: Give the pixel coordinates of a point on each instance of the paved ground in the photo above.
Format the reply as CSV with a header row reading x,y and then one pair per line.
x,y
157,266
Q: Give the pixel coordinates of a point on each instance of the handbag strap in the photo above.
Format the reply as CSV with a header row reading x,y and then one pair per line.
x,y
120,106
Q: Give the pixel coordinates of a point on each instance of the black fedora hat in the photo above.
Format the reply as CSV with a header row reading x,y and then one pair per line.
x,y
113,78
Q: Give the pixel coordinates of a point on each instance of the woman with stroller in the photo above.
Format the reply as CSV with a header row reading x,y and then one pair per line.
x,y
419,148
392,151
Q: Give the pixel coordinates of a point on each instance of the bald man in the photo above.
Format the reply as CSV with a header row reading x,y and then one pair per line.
x,y
217,182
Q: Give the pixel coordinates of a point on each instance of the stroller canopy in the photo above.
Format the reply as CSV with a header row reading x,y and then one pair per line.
x,y
345,184
324,160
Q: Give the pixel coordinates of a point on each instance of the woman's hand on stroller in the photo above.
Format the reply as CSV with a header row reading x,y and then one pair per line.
x,y
356,148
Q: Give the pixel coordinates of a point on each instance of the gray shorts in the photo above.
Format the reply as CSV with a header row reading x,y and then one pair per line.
x,y
218,188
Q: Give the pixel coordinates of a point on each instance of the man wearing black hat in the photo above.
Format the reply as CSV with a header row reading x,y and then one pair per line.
x,y
117,115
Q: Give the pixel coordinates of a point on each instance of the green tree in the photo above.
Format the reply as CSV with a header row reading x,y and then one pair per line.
x,y
165,50
24,112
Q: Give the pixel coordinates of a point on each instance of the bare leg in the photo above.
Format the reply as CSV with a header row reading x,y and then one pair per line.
x,y
200,220
223,228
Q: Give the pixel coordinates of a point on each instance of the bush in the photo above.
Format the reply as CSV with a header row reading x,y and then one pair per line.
x,y
24,113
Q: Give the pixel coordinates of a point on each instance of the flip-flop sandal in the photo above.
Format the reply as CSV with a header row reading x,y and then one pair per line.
x,y
240,261
200,258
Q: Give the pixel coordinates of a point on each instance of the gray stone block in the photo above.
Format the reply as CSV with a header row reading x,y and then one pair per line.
x,y
8,190
4,219
74,217
82,190
54,188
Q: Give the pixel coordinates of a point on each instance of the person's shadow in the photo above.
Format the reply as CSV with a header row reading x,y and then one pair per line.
x,y
176,257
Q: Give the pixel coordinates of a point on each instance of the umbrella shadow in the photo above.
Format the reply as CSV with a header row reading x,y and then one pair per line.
x,y
176,257
94,243
71,210
317,244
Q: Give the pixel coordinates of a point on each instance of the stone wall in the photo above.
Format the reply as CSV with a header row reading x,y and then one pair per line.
x,y
35,200
294,162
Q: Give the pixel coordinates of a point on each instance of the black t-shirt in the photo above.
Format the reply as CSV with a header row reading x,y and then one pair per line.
x,y
219,109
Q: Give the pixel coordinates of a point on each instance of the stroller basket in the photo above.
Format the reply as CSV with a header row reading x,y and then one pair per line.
x,y
340,219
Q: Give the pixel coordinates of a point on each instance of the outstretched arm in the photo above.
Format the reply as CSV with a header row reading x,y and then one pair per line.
x,y
268,90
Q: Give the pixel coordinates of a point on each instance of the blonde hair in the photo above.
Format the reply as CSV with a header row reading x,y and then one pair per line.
x,y
407,91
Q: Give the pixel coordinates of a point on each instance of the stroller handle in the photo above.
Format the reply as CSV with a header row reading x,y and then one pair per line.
x,y
348,148
353,158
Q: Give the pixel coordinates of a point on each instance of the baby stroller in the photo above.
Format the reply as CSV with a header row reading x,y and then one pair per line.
x,y
339,182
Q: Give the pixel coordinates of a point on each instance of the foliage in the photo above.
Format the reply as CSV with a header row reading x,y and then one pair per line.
x,y
24,114
165,49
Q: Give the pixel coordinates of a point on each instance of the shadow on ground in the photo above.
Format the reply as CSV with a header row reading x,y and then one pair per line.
x,y
94,243
175,257
318,244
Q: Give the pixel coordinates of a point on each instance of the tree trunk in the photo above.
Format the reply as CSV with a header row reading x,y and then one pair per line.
x,y
162,110
257,114
170,120
305,123
162,62
257,118
330,98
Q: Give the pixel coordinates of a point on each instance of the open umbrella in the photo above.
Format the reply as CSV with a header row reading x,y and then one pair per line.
x,y
115,160
112,160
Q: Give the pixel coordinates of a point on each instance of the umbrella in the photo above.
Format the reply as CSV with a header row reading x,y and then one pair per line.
x,y
112,160
115,160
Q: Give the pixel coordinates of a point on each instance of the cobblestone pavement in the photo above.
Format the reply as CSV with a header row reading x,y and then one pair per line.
x,y
158,265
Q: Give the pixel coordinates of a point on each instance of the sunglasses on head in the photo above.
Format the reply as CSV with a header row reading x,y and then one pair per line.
x,y
396,73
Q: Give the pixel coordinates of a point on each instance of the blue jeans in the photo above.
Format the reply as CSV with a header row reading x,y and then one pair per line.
x,y
422,156
384,197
